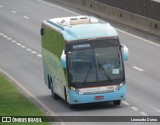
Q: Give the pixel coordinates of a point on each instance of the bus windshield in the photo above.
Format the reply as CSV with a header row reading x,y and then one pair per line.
x,y
95,61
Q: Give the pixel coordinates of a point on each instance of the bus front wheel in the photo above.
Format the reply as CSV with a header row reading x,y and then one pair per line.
x,y
72,106
117,102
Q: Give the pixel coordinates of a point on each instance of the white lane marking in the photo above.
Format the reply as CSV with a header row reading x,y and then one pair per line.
x,y
144,114
39,55
28,49
1,34
115,28
58,7
137,68
126,103
23,46
138,37
9,38
1,6
18,44
14,41
158,110
5,36
134,108
26,17
34,52
13,11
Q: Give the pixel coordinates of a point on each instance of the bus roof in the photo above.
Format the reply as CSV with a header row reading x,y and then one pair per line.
x,y
81,27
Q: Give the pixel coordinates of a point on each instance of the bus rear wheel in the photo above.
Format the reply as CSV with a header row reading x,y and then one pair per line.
x,y
117,102
65,95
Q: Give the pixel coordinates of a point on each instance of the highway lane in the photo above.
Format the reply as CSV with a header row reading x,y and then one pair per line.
x,y
144,83
26,67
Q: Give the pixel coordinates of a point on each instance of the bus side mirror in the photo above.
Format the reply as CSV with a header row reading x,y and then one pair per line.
x,y
125,52
63,60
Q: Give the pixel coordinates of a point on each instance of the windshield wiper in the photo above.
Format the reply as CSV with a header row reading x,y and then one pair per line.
x,y
101,67
87,74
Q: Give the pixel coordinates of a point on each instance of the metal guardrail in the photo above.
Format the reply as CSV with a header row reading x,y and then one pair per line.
x,y
147,8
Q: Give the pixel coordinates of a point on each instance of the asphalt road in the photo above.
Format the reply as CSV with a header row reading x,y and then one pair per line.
x,y
20,56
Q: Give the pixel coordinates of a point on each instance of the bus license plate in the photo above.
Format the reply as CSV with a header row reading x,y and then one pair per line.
x,y
99,97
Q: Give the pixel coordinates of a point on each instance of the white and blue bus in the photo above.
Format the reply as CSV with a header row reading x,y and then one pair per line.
x,y
83,60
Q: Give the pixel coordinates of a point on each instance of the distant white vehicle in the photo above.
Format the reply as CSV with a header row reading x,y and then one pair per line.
x,y
83,60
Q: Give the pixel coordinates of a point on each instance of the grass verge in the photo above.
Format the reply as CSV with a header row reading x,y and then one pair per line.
x,y
13,103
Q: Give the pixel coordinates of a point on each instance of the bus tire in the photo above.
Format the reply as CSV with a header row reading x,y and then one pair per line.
x,y
117,102
49,82
54,95
65,95
72,106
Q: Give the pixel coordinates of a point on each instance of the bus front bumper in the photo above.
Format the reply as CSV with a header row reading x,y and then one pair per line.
x,y
76,98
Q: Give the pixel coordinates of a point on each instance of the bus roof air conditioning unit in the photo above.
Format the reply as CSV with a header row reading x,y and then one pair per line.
x,y
81,20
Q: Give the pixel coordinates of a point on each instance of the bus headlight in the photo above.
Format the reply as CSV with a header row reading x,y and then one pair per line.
x,y
119,86
72,88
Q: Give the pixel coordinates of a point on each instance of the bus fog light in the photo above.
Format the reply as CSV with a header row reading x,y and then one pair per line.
x,y
79,92
116,88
